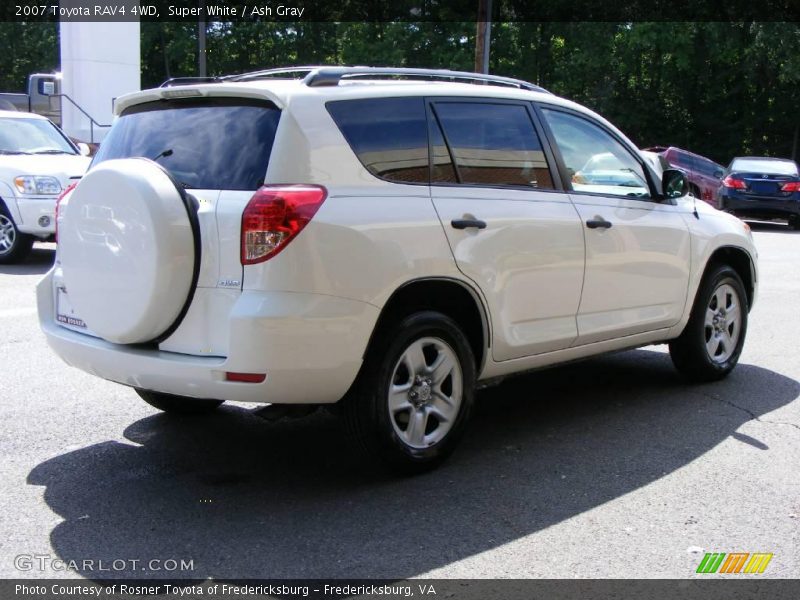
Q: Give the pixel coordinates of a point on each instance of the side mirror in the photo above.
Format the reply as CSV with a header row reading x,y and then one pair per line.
x,y
47,88
719,173
674,183
84,149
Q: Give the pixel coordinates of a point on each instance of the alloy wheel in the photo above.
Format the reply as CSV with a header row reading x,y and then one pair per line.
x,y
722,323
425,393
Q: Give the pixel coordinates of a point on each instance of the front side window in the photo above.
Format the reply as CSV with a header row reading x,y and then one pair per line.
x,y
389,136
493,144
595,161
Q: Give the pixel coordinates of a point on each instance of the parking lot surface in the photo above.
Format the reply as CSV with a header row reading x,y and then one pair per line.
x,y
612,467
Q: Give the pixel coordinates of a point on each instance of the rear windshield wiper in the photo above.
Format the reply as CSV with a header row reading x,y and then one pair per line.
x,y
164,154
52,151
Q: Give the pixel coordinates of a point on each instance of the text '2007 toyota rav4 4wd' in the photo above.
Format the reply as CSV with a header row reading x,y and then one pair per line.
x,y
383,238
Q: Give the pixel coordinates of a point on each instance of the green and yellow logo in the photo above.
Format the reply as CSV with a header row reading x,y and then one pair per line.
x,y
734,562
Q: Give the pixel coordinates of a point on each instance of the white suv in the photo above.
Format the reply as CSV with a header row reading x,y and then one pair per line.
x,y
37,162
384,239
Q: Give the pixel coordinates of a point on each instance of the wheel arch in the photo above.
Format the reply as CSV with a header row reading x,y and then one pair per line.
x,y
8,203
452,297
741,262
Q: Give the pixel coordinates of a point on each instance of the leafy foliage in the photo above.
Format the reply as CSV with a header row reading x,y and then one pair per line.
x,y
719,89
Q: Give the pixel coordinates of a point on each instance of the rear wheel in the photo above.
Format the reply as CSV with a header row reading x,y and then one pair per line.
x,y
15,246
178,404
794,222
710,345
414,394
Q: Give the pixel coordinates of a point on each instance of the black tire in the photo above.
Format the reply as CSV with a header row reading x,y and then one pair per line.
x,y
179,405
794,222
689,352
366,412
20,243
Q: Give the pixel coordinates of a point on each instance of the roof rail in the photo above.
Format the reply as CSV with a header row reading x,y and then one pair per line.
x,y
173,81
326,75
331,76
266,73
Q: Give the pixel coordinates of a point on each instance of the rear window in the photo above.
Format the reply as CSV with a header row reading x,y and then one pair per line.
x,y
755,165
389,136
218,144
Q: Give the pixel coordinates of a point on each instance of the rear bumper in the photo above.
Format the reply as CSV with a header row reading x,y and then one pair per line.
x,y
33,209
760,207
310,346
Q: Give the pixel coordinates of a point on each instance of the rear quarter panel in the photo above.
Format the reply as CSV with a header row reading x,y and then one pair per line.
x,y
368,238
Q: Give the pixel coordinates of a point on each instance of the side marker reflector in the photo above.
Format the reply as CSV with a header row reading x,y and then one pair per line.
x,y
246,377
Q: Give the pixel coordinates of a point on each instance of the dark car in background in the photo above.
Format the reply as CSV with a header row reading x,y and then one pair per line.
x,y
758,187
704,174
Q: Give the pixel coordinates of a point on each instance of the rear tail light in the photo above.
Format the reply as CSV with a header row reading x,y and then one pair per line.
x,y
791,186
245,377
61,196
274,216
732,182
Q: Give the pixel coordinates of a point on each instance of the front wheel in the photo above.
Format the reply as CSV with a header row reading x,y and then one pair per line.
x,y
710,345
182,405
15,246
414,394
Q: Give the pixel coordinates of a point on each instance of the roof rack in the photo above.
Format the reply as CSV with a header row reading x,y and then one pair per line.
x,y
331,76
323,76
173,81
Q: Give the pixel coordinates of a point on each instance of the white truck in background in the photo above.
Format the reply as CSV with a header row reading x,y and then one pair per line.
x,y
42,97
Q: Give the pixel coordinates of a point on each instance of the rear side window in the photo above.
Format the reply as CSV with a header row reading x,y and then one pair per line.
x,y
217,144
494,144
389,136
684,160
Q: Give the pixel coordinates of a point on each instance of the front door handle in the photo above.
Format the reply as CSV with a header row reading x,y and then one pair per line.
x,y
465,223
598,223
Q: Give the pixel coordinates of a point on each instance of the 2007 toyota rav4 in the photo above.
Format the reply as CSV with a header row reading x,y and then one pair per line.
x,y
383,238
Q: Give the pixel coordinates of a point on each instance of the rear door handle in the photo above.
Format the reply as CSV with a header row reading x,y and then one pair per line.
x,y
598,223
465,223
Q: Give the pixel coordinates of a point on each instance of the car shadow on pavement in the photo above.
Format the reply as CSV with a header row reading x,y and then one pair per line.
x,y
244,498
38,263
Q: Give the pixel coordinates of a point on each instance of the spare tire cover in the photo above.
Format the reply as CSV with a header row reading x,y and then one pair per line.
x,y
127,250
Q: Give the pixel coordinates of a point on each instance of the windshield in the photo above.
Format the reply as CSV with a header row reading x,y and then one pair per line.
x,y
755,165
212,143
32,136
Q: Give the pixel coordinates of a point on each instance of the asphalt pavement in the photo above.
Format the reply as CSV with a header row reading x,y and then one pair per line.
x,y
613,467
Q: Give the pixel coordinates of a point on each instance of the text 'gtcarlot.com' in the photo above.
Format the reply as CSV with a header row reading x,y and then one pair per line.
x,y
45,562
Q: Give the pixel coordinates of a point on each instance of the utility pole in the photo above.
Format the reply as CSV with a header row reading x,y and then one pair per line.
x,y
483,37
201,40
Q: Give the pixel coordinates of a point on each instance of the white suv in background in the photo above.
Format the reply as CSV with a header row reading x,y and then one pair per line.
x,y
382,238
37,162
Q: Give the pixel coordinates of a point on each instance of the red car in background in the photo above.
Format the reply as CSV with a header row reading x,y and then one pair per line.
x,y
704,175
